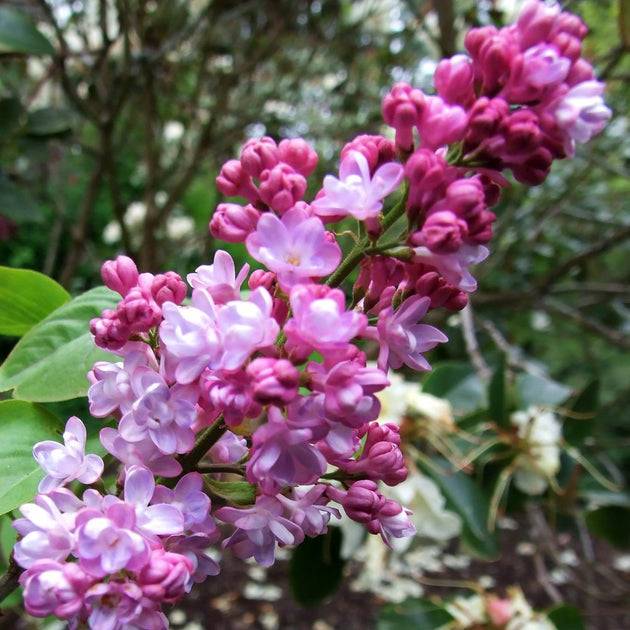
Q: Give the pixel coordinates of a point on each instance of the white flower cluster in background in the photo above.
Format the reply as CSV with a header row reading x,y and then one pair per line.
x,y
539,462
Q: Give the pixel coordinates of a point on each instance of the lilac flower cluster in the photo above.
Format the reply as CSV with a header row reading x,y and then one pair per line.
x,y
275,387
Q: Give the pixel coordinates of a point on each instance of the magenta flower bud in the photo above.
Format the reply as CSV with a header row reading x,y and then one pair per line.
x,y
297,153
534,23
480,227
138,312
361,500
234,181
120,275
522,134
164,578
275,381
259,155
453,80
425,171
534,169
168,287
282,187
500,611
568,46
477,37
402,109
377,150
581,71
262,278
440,292
466,197
571,24
441,123
443,232
233,223
110,333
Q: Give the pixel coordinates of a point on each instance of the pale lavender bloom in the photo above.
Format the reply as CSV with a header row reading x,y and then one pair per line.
x,y
320,320
157,519
46,533
144,453
403,339
356,192
67,462
581,113
108,542
307,508
116,606
228,449
188,496
349,389
162,413
258,530
194,547
543,65
454,267
219,279
111,389
220,337
295,247
54,588
282,456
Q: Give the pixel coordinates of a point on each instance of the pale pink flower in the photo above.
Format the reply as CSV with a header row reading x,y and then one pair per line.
x,y
219,279
296,247
356,192
67,462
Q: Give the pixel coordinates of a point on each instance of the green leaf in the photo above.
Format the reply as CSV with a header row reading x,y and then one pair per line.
x,y
466,498
579,424
18,34
497,398
49,121
316,568
413,614
539,390
52,360
16,204
238,492
27,297
10,113
457,383
612,523
566,617
22,424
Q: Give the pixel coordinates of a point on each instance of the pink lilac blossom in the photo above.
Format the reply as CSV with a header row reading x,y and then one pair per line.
x,y
295,247
356,192
67,462
219,279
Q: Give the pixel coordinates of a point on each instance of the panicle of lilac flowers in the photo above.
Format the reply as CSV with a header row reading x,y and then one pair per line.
x,y
274,384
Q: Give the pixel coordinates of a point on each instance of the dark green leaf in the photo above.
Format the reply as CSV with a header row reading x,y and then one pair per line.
x,y
22,424
27,297
413,614
18,34
457,383
497,399
612,523
316,568
52,360
16,204
238,492
49,121
539,390
10,112
566,617
578,425
466,498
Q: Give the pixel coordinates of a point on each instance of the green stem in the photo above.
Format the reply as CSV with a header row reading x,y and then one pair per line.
x,y
9,581
208,438
364,245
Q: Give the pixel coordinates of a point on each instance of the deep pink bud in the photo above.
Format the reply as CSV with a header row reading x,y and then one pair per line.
x,y
233,223
425,171
432,285
441,123
500,611
534,169
120,275
274,381
139,312
402,109
534,23
259,155
297,153
480,227
282,187
234,181
165,576
580,71
377,150
571,24
443,232
361,501
522,133
109,332
465,197
262,278
168,287
568,46
453,80
476,37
